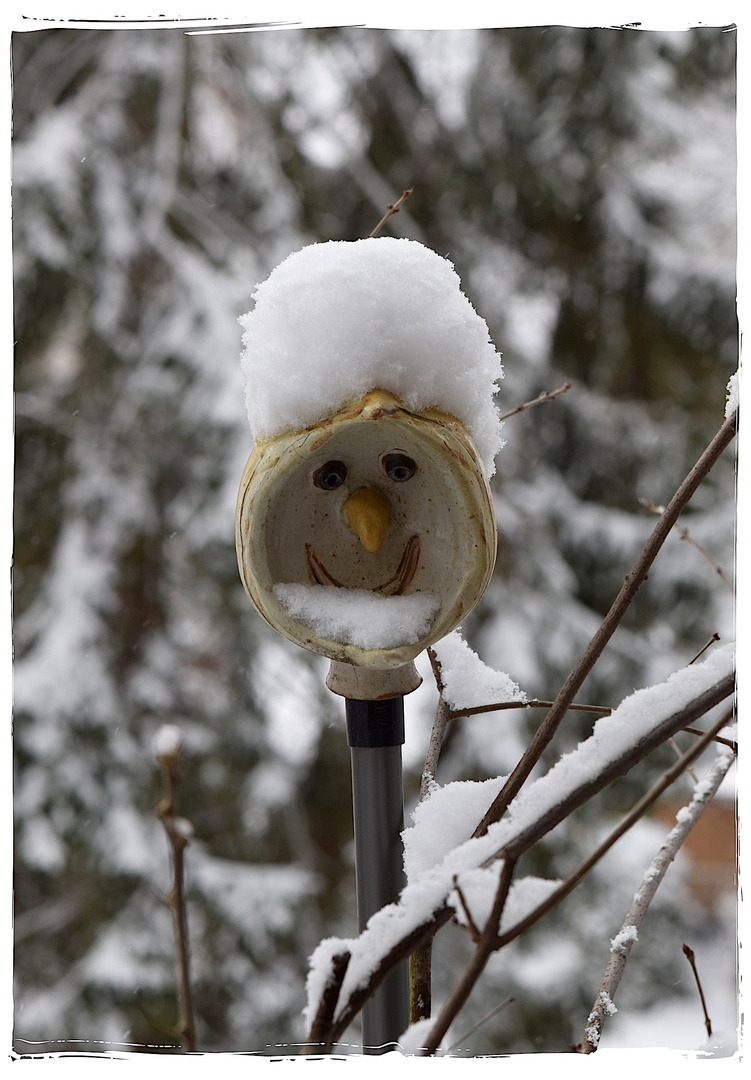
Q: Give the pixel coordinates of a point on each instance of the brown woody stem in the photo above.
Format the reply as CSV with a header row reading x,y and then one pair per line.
x,y
177,837
391,209
546,395
691,957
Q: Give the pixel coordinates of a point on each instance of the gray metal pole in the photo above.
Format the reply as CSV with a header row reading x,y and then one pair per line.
x,y
375,732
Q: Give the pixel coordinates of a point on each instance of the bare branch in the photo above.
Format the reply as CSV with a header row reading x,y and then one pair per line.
x,y
500,706
612,620
391,209
691,957
715,637
679,754
178,832
546,395
730,743
474,933
479,1024
686,535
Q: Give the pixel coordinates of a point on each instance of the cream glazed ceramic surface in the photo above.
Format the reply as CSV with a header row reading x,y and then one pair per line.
x,y
377,498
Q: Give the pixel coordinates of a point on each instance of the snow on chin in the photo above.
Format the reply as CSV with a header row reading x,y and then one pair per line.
x,y
358,617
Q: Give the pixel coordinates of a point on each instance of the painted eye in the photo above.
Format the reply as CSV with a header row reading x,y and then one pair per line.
x,y
330,476
398,467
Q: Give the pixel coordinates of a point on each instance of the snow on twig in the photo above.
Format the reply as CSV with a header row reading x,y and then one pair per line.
x,y
704,792
467,681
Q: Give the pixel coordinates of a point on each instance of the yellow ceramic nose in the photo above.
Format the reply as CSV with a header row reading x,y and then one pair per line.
x,y
367,512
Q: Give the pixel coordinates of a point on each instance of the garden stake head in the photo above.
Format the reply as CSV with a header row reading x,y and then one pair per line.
x,y
366,532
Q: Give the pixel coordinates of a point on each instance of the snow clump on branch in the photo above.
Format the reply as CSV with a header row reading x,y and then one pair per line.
x,y
468,682
732,396
336,320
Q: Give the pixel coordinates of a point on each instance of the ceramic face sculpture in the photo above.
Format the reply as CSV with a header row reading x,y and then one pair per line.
x,y
365,529
369,535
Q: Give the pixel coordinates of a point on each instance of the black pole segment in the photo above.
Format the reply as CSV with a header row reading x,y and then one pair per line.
x,y
375,732
375,723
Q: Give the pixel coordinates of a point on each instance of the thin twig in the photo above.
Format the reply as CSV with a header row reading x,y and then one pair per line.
x,y
179,831
612,620
601,710
546,395
731,743
500,706
391,209
715,637
603,1005
480,1023
686,535
679,753
474,933
691,957
486,945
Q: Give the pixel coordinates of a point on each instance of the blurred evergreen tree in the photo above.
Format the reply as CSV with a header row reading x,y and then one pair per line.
x,y
582,182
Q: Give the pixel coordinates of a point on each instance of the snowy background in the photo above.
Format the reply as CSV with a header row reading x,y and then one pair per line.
x,y
581,181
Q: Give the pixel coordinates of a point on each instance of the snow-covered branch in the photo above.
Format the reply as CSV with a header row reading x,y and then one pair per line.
x,y
639,725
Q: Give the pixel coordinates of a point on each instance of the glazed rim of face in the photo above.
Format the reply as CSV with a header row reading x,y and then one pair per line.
x,y
451,525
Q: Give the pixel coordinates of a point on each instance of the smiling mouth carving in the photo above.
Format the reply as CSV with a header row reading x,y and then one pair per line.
x,y
395,586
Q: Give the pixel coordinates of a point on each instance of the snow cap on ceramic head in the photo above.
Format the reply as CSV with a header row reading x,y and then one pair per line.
x,y
365,526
